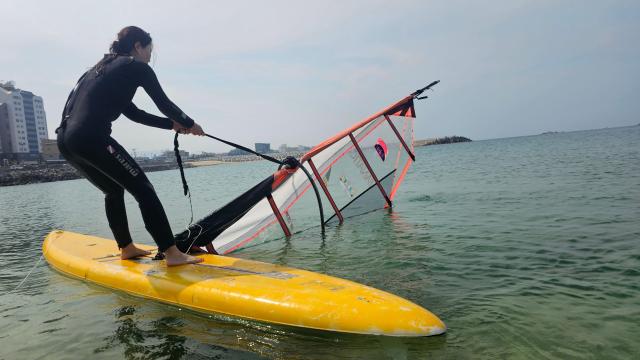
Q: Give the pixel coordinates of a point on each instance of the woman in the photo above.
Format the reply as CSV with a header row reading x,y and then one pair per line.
x,y
101,95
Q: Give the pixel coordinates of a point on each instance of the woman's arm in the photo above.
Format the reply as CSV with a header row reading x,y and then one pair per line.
x,y
139,116
149,81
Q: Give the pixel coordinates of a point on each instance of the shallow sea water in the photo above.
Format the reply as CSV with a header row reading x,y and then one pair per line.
x,y
525,247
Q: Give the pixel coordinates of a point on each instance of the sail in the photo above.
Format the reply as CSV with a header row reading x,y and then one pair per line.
x,y
358,170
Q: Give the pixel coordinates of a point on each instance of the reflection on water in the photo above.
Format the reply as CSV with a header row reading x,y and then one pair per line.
x,y
152,343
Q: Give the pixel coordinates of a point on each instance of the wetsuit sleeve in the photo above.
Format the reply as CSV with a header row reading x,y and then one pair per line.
x,y
149,81
139,116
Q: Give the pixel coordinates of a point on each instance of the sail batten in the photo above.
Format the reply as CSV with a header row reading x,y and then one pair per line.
x,y
347,166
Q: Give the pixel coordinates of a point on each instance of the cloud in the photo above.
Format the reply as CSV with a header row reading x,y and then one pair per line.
x,y
297,72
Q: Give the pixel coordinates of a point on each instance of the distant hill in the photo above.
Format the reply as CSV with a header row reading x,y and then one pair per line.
x,y
444,140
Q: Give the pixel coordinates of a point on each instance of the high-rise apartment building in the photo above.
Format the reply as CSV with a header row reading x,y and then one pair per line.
x,y
263,148
23,123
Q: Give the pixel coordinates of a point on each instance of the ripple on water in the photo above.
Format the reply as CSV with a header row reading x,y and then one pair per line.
x,y
525,247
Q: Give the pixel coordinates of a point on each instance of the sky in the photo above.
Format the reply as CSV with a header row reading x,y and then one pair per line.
x,y
297,72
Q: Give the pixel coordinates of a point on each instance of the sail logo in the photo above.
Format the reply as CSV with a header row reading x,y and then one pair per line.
x,y
381,149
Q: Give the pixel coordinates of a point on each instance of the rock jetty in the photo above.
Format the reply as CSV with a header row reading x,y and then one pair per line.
x,y
32,174
438,141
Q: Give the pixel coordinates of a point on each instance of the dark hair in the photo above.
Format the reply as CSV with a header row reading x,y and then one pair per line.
x,y
127,39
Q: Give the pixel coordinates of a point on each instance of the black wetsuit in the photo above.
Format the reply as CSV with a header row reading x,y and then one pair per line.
x,y
84,140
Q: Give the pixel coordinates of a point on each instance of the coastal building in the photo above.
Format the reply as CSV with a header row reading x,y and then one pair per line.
x,y
5,130
50,151
237,152
263,148
23,123
285,149
4,116
170,156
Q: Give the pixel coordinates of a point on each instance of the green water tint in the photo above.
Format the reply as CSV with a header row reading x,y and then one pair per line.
x,y
526,247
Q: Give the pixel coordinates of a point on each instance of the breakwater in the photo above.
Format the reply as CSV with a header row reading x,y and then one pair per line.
x,y
32,174
41,173
443,140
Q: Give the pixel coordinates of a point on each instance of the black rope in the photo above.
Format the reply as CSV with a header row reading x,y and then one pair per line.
x,y
280,163
185,187
295,163
176,151
266,157
315,189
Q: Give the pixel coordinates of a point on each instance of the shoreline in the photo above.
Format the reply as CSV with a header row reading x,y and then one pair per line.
x,y
36,174
44,173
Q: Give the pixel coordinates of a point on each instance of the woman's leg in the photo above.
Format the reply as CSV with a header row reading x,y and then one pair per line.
x,y
113,195
113,161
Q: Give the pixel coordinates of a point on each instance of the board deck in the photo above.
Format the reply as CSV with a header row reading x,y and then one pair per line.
x,y
243,288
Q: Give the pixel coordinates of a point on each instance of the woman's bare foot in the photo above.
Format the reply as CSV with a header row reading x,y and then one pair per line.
x,y
176,257
131,251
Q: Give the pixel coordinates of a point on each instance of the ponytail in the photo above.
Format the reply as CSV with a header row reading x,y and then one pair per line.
x,y
127,39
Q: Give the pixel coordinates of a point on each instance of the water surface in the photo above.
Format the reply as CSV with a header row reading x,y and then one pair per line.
x,y
526,247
